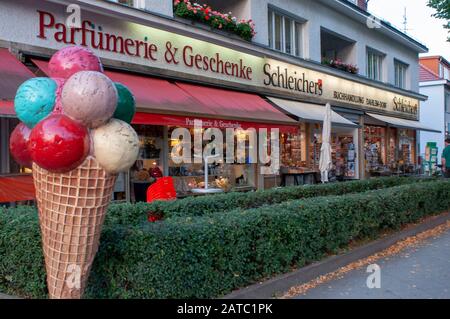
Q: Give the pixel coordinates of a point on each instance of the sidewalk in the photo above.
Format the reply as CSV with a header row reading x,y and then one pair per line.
x,y
420,272
280,285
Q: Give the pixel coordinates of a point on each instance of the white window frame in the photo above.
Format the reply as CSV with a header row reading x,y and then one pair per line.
x,y
374,64
446,75
400,74
138,4
447,102
295,51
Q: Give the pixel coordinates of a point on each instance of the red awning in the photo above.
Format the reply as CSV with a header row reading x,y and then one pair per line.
x,y
157,95
7,108
16,188
41,64
160,102
239,105
12,74
188,121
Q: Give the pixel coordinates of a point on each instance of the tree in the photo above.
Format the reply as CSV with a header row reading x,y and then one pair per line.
x,y
442,8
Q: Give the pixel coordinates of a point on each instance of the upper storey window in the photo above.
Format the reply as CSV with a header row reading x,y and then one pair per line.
x,y
400,74
374,65
285,33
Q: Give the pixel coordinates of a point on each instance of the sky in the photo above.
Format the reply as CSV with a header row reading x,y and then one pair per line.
x,y
421,25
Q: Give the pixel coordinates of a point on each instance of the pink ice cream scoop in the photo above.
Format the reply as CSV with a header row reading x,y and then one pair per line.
x,y
90,98
70,60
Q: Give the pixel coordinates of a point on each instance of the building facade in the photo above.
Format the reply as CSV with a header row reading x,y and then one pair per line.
x,y
435,83
304,54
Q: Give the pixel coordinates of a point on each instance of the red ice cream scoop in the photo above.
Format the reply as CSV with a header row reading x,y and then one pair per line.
x,y
18,144
59,144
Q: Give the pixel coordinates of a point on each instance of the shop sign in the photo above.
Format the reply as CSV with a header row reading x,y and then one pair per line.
x,y
133,43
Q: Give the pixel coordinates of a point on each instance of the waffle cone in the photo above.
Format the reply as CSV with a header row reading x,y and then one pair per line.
x,y
72,207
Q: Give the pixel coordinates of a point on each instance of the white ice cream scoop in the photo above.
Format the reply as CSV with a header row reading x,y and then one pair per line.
x,y
116,146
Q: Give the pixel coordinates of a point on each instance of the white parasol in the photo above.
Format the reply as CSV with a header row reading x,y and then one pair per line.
x,y
325,163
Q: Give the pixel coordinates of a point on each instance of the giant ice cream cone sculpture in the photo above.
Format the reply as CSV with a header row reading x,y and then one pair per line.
x,y
76,137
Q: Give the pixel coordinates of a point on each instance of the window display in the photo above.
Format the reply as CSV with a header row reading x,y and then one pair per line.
x,y
227,176
293,148
344,156
343,152
392,161
407,148
389,150
374,148
149,165
407,143
315,145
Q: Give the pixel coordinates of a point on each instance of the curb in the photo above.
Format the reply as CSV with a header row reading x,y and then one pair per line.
x,y
282,283
3,296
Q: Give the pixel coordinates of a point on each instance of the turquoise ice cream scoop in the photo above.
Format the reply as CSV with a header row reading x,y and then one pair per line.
x,y
35,100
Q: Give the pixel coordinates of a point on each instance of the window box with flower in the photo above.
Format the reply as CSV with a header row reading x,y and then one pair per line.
x,y
338,64
216,20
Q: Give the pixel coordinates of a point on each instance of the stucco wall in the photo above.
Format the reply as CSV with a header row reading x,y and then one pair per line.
x,y
447,109
432,115
318,15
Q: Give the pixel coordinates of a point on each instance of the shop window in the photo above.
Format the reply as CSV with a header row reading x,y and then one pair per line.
x,y
343,153
237,175
344,156
399,157
407,144
293,148
285,33
149,165
374,149
315,145
400,74
374,65
392,156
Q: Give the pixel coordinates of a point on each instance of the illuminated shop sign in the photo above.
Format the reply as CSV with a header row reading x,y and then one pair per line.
x,y
399,104
133,43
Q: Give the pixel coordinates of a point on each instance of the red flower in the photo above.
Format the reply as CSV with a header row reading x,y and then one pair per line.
x,y
206,18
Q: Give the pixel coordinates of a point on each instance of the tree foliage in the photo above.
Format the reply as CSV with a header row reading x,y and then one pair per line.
x,y
442,8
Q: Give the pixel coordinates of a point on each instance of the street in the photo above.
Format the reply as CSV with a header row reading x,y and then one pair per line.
x,y
416,272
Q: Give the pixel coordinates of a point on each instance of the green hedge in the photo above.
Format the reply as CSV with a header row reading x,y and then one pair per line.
x,y
130,214
197,206
208,256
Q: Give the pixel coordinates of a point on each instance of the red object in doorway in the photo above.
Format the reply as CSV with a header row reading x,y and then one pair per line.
x,y
162,189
